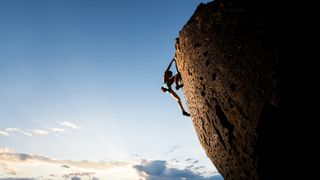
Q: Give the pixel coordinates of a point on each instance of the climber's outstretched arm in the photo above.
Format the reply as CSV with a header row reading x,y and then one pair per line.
x,y
170,64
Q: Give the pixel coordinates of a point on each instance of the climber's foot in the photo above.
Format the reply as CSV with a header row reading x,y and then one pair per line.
x,y
179,86
185,113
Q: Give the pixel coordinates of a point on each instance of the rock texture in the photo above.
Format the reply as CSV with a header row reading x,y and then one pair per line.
x,y
227,54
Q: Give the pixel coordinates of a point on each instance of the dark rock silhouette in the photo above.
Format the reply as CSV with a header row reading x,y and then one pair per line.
x,y
228,57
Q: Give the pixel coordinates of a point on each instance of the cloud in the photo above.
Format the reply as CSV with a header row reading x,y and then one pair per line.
x,y
58,130
8,155
171,149
145,169
40,132
69,125
3,133
78,175
75,178
17,179
12,129
199,168
17,130
175,160
65,166
159,170
8,169
195,162
6,150
12,157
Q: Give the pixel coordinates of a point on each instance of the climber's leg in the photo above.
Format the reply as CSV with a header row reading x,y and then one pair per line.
x,y
177,81
177,98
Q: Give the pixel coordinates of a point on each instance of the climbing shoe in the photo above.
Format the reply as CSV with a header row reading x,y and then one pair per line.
x,y
179,86
185,113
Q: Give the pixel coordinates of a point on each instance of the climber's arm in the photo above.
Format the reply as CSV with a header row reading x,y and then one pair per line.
x,y
170,64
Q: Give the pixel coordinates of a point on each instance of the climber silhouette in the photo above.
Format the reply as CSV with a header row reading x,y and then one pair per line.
x,y
168,80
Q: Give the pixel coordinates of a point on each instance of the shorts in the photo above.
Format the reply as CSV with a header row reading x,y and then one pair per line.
x,y
167,88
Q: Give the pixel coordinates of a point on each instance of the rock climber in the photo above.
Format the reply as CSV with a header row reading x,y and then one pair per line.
x,y
168,80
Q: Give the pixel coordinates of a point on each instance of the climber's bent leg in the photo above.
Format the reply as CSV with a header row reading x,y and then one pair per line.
x,y
177,81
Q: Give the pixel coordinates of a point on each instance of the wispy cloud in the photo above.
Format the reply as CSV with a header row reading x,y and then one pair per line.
x,y
171,149
17,130
40,132
10,131
195,162
69,125
57,130
3,133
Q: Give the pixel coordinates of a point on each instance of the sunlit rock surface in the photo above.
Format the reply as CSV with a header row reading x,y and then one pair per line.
x,y
228,57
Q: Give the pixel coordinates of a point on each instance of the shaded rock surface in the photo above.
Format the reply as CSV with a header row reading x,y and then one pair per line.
x,y
227,54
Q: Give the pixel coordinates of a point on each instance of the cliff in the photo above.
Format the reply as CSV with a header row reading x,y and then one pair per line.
x,y
228,57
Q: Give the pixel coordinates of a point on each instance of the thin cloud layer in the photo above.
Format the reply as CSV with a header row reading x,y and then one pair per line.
x,y
22,165
8,155
17,179
58,130
3,133
69,125
6,150
17,130
40,132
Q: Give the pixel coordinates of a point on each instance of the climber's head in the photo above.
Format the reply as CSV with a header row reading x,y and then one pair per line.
x,y
167,74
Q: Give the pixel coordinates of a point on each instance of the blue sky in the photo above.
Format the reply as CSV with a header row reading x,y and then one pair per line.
x,y
80,80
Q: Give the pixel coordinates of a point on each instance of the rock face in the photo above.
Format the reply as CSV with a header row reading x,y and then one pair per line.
x,y
228,57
